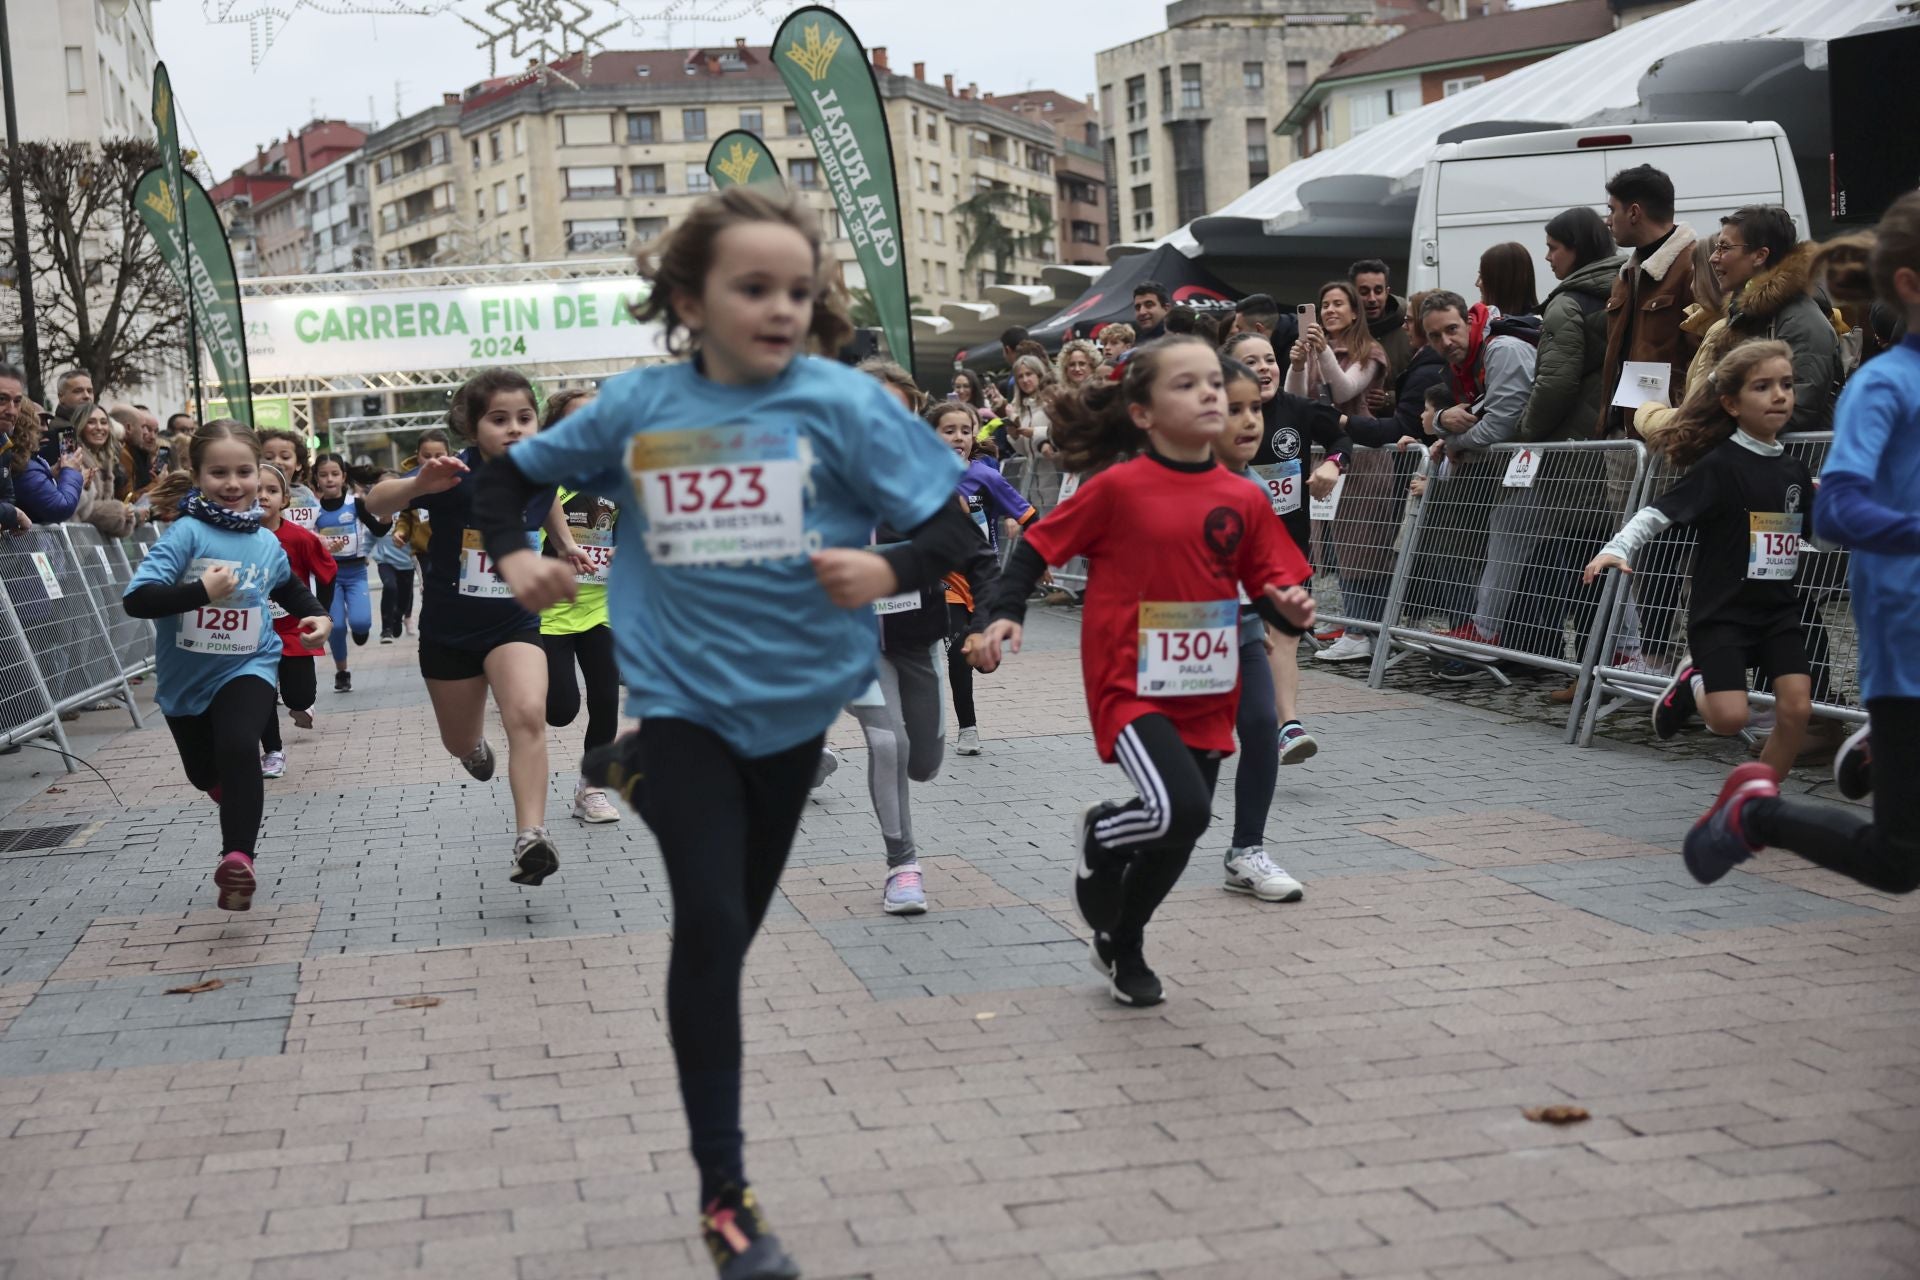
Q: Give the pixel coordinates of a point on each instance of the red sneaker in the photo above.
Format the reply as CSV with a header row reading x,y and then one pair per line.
x,y
1468,632
234,879
1717,843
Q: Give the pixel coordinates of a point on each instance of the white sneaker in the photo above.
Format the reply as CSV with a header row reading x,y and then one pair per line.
x,y
1351,647
828,766
969,742
1252,871
590,804
273,764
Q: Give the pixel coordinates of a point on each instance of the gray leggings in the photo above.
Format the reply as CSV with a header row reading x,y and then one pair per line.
x,y
906,737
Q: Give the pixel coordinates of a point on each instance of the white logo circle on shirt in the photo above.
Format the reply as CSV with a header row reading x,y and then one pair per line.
x,y
1286,444
1793,498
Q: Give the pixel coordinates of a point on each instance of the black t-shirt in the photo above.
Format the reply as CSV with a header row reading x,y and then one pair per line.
x,y
469,612
1733,498
1294,425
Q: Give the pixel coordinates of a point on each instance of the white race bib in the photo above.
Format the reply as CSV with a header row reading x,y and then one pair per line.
x,y
275,609
217,628
477,576
302,516
720,495
1068,484
1773,546
598,544
1282,482
1188,648
1323,508
345,541
1522,467
905,602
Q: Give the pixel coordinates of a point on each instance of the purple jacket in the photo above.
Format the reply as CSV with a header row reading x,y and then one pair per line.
x,y
46,496
991,499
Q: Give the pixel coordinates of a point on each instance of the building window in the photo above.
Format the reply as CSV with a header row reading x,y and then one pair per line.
x,y
495,148
1143,210
919,173
585,130
1190,95
519,139
592,182
698,179
474,146
589,235
794,126
1296,79
1253,75
645,229
1463,83
643,126
940,276
914,116
1086,233
520,189
647,179
693,124
940,230
753,120
499,197
1138,160
1256,151
933,177
933,135
1166,91
804,174
480,204
526,244
923,225
76,70
1380,105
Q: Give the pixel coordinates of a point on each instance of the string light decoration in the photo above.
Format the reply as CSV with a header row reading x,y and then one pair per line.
x,y
540,32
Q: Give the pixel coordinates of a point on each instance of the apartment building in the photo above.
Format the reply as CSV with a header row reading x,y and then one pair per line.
x,y
337,217
519,171
81,73
1189,112
1081,170
255,191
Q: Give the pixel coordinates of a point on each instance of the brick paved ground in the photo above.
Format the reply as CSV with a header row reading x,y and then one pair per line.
x,y
1493,921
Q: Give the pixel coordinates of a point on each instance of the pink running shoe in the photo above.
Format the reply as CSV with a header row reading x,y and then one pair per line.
x,y
235,882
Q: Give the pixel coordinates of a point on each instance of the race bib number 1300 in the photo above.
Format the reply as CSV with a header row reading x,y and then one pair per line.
x,y
1188,648
720,495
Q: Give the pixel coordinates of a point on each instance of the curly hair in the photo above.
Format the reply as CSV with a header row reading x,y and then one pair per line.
x,y
1076,345
1703,422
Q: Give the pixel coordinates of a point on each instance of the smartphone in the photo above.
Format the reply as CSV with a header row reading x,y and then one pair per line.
x,y
1308,314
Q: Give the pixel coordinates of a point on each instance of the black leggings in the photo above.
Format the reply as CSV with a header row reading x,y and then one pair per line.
x,y
297,690
220,747
1160,826
396,598
725,824
1882,851
959,671
592,649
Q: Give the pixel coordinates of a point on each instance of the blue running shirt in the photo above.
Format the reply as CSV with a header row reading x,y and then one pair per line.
x,y
198,652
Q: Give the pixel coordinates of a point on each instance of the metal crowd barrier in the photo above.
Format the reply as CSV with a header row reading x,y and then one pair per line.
x,y
1649,618
1359,534
1043,485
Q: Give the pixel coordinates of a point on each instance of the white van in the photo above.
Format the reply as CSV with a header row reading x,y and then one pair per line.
x,y
1477,194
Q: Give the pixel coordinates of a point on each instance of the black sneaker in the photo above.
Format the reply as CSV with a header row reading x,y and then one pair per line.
x,y
343,682
1102,948
1853,765
1097,874
616,768
1676,705
1131,982
1456,670
738,1239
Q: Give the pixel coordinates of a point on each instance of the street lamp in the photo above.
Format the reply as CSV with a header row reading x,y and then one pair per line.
x,y
17,191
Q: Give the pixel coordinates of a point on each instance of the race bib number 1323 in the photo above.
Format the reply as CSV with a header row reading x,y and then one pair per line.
x,y
720,495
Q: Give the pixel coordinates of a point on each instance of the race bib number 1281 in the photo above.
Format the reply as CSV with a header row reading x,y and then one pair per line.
x,y
720,495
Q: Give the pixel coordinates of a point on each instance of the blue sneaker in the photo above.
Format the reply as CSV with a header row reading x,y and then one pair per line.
x,y
1717,844
905,894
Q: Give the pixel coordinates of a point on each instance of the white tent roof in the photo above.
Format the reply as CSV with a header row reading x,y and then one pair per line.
x,y
1600,76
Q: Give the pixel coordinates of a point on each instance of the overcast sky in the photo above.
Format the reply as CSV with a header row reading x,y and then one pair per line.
x,y
325,65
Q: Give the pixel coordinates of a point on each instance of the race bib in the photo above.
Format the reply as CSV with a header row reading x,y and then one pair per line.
x,y
1521,469
1773,546
302,516
720,495
905,602
345,541
598,544
477,576
1188,648
216,628
1323,508
1282,481
1068,484
275,609
48,578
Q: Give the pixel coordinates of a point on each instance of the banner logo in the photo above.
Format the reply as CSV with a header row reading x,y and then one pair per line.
x,y
160,200
817,57
739,162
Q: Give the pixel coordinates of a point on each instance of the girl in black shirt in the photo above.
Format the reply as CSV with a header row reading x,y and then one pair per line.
x,y
1750,504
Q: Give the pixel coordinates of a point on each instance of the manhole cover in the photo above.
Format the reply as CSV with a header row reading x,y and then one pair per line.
x,y
27,839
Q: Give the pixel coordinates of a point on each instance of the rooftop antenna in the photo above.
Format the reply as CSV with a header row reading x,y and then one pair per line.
x,y
398,111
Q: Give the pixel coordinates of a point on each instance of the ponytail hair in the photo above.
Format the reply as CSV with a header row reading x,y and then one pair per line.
x,y
1702,422
356,476
166,494
1095,427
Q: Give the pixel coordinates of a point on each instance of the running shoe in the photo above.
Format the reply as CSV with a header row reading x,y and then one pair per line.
x,y
1351,647
1297,745
616,767
590,804
1717,844
1474,635
343,682
1102,948
1328,635
302,717
737,1237
828,765
1132,983
1252,871
534,857
1455,670
1853,765
385,638
1676,705
479,761
905,894
234,878
273,764
969,744
1097,874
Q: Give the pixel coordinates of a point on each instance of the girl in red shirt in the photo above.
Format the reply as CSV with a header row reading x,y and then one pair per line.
x,y
311,562
1170,538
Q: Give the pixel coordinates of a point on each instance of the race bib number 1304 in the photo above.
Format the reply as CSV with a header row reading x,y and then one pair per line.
x,y
720,495
1188,648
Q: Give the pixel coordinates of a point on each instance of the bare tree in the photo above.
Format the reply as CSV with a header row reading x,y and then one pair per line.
x,y
107,302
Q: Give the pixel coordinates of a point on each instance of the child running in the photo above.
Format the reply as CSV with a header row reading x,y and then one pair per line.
x,y
995,507
1170,539
1249,868
287,450
1869,501
576,632
473,635
411,528
207,584
310,562
393,557
752,478
1748,501
344,524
